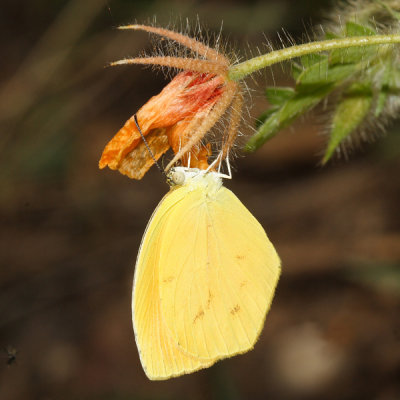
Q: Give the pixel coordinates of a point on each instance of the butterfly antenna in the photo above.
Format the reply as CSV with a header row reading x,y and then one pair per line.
x,y
148,148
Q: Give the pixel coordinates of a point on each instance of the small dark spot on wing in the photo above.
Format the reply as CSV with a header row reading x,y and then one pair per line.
x,y
209,299
235,309
200,314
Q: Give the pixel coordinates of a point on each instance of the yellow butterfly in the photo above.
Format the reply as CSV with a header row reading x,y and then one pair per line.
x,y
205,277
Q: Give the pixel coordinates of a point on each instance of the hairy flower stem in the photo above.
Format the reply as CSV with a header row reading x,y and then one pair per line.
x,y
239,71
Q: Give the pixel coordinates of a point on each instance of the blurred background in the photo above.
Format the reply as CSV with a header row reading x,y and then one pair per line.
x,y
69,233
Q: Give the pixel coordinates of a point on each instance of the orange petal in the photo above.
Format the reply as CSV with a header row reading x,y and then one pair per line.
x,y
128,137
137,162
186,95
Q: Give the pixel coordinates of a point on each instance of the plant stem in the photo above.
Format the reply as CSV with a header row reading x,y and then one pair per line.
x,y
239,71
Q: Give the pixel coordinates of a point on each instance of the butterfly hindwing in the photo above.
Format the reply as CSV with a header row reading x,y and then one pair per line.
x,y
160,356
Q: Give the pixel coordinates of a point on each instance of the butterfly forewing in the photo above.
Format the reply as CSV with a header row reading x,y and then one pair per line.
x,y
217,275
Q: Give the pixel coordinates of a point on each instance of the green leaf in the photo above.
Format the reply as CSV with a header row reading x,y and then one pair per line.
x,y
389,86
366,79
278,95
282,117
331,35
296,70
299,104
384,90
315,74
322,73
381,100
266,114
353,29
311,59
349,114
354,55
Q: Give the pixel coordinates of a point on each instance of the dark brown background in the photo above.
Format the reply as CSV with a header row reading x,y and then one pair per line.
x,y
69,233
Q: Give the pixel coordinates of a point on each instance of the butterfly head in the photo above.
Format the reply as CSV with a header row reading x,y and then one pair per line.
x,y
194,178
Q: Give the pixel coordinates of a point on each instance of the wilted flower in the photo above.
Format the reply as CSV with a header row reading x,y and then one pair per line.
x,y
181,115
